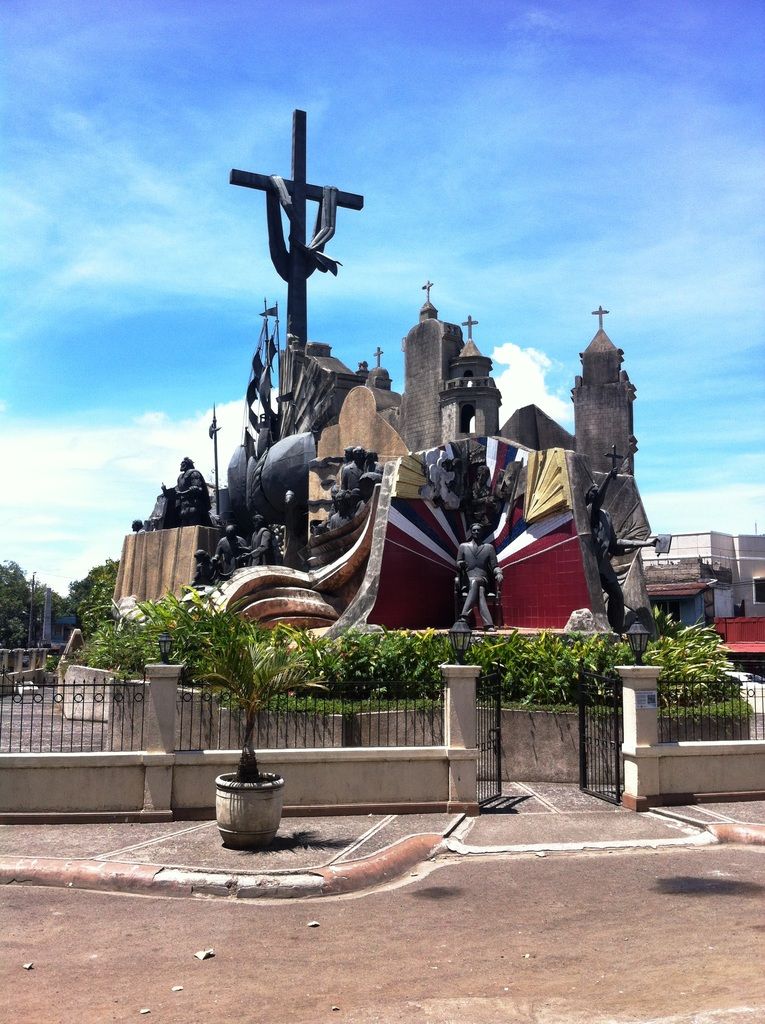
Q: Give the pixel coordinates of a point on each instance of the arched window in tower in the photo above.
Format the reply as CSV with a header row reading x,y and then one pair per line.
x,y
467,419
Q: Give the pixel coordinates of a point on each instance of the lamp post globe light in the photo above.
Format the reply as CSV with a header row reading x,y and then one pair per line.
x,y
165,642
460,637
638,637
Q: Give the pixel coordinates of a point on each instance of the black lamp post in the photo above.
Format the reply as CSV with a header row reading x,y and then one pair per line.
x,y
460,636
165,642
638,637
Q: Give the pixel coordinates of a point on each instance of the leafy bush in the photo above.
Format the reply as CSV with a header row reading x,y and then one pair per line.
x,y
385,663
537,670
541,670
689,653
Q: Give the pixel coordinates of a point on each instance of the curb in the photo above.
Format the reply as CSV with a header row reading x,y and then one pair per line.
x,y
157,880
380,867
737,832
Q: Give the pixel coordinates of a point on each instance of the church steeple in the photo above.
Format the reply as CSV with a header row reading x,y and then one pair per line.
x,y
470,399
603,397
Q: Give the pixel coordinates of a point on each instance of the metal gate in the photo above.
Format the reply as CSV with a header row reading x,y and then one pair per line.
x,y
601,734
488,724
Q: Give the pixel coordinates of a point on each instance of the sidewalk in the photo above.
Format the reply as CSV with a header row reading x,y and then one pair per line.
x,y
332,855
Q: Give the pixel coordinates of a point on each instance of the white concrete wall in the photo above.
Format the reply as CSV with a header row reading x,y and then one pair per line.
x,y
134,785
671,773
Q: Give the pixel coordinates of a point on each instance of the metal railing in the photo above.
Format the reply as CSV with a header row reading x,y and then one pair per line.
x,y
205,721
732,708
601,735
87,716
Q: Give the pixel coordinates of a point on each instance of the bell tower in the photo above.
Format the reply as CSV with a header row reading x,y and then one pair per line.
x,y
603,395
469,399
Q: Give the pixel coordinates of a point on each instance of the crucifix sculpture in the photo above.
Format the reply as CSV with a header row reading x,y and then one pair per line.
x,y
470,323
600,313
379,352
426,288
296,263
612,455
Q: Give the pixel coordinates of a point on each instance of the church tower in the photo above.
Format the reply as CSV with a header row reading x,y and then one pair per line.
x,y
603,397
449,392
469,398
429,349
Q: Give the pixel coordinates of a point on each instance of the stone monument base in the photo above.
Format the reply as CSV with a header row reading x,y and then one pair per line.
x,y
162,561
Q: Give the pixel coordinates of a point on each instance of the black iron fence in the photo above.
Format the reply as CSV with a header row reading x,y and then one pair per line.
x,y
731,708
206,721
601,734
488,728
86,716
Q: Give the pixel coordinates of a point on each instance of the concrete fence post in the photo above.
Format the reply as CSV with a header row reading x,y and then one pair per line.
x,y
159,732
642,786
159,714
460,734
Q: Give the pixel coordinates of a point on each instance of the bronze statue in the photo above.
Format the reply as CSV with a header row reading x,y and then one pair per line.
x,y
263,547
296,263
351,473
372,475
231,553
192,499
477,572
137,526
607,544
204,569
347,504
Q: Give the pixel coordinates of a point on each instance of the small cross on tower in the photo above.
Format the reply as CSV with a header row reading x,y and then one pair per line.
x,y
600,313
426,288
613,456
470,323
377,353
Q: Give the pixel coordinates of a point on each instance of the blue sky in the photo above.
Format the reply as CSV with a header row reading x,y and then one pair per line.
x,y
532,159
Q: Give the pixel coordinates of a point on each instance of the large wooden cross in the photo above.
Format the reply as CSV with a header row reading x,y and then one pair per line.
x,y
299,262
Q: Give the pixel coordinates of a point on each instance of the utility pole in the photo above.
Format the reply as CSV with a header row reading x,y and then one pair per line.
x,y
30,632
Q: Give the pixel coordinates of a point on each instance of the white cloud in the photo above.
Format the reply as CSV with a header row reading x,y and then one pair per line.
x,y
522,382
71,507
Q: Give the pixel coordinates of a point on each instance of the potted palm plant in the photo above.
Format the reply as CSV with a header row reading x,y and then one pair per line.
x,y
251,671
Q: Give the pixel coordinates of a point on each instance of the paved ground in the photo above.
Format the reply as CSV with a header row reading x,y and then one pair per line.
x,y
326,856
671,934
538,814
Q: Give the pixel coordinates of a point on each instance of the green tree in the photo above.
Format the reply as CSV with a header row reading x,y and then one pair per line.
x,y
15,592
14,605
91,597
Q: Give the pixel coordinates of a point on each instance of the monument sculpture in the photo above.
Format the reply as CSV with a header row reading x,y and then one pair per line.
x,y
478,574
205,569
607,544
192,499
231,553
446,475
263,546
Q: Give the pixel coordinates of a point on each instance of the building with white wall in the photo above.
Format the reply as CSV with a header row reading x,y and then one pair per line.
x,y
708,575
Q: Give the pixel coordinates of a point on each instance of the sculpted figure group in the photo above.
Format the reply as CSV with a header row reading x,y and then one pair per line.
x,y
233,552
359,474
478,582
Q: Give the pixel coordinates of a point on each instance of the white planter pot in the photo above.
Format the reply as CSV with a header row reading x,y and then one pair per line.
x,y
248,813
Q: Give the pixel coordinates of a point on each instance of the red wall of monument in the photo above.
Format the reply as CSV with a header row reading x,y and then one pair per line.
x,y
542,585
545,582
